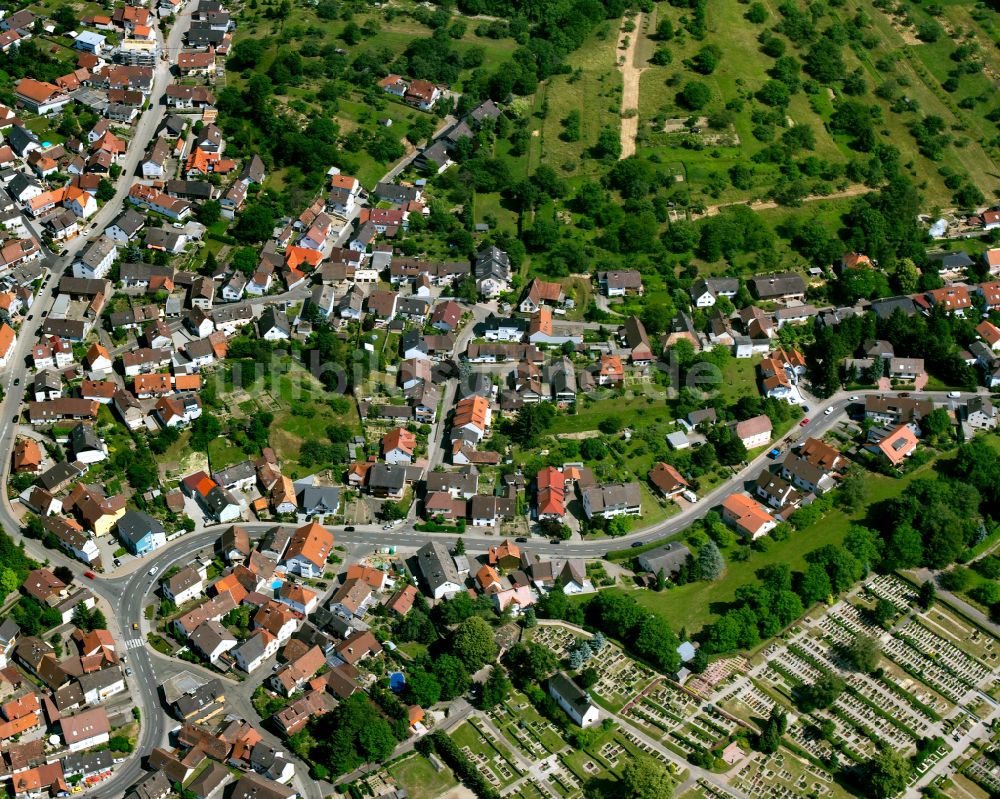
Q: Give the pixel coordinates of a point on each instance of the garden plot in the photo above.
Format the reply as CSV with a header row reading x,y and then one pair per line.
x,y
783,776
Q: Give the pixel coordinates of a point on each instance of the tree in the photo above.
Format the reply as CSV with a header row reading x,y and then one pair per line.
x,y
496,689
820,694
385,146
422,688
710,561
887,774
392,511
10,581
884,611
936,424
927,595
530,662
774,727
105,190
204,430
852,491
588,678
608,146
694,96
473,643
451,676
530,422
256,223
209,212
864,652
646,778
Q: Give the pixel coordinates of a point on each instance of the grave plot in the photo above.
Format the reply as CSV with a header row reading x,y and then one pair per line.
x,y
716,674
924,669
886,586
662,712
745,699
530,789
975,642
621,678
489,755
783,776
804,733
525,729
965,667
984,771
604,758
562,779
555,637
706,790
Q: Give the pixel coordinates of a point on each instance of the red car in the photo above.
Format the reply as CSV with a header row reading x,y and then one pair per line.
x,y
804,422
90,575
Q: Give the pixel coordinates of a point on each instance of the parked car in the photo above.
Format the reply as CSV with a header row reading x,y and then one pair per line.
x,y
774,453
804,422
90,575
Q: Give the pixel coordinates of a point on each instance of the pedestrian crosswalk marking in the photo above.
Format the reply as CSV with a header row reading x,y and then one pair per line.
x,y
135,643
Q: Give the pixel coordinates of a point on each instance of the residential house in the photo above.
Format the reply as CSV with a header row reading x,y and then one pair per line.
x,y
747,516
754,432
140,533
667,480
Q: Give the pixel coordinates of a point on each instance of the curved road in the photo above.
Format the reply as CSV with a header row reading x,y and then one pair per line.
x,y
126,594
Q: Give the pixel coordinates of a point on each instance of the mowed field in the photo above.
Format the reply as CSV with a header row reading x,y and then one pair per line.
x,y
888,50
594,89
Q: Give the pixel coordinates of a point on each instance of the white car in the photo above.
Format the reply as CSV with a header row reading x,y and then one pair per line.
x,y
153,571
855,398
828,411
954,394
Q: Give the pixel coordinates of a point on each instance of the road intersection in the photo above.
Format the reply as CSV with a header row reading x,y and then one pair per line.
x,y
127,592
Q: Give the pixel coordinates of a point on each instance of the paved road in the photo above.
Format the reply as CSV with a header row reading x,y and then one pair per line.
x,y
142,684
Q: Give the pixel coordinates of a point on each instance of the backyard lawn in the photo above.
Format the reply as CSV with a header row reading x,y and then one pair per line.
x,y
694,605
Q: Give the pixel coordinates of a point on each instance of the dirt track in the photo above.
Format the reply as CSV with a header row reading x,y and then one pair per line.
x,y
630,85
763,205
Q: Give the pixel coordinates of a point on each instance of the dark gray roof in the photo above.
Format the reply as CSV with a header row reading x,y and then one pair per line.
x,y
388,476
885,308
135,524
436,565
780,284
319,498
572,693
